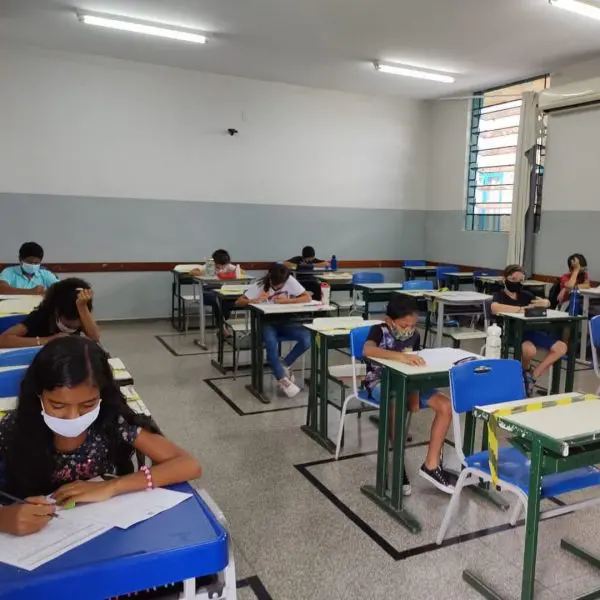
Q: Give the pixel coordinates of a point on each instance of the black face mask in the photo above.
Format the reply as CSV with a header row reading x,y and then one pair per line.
x,y
513,286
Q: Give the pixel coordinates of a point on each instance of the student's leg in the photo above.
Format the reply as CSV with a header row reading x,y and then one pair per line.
x,y
528,352
296,333
440,404
556,352
270,338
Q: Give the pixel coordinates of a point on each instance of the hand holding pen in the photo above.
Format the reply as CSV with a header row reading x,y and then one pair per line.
x,y
25,517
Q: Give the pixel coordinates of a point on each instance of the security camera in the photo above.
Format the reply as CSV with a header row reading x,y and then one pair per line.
x,y
231,131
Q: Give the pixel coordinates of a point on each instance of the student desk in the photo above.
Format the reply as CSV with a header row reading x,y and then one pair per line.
x,y
376,292
325,337
260,314
555,323
455,280
177,545
454,299
492,283
339,282
422,271
399,380
558,439
226,296
587,295
205,284
18,305
180,279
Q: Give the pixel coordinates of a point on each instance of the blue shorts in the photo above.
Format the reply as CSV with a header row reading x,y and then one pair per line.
x,y
540,339
424,395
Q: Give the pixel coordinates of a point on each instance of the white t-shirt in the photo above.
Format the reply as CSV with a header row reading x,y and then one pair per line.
x,y
291,289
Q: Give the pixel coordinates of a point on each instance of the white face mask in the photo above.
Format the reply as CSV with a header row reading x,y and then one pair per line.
x,y
71,428
63,328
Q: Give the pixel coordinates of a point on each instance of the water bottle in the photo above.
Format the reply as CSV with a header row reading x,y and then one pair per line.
x,y
238,272
211,269
333,263
575,303
493,342
325,293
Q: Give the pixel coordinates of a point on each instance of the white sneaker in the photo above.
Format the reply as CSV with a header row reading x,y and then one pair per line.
x,y
289,388
406,490
289,373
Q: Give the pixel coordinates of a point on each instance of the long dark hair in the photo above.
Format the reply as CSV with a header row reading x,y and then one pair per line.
x,y
60,299
64,362
582,263
276,275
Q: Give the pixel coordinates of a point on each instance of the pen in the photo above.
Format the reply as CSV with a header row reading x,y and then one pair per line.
x,y
19,501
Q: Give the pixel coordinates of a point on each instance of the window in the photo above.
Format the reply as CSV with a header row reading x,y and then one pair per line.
x,y
493,136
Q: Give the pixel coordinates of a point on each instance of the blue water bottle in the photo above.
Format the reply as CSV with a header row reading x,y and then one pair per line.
x,y
575,306
333,263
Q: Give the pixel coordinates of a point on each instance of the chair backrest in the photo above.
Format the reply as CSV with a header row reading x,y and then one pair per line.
x,y
10,321
368,277
481,383
18,357
418,284
415,263
442,269
10,382
358,337
595,342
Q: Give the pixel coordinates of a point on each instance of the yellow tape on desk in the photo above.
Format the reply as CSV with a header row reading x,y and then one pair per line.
x,y
492,425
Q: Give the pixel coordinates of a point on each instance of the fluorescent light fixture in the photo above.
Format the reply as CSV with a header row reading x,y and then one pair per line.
x,y
580,7
406,71
158,29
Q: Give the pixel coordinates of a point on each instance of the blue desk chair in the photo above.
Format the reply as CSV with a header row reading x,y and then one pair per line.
x,y
18,357
9,321
415,263
10,382
595,343
441,273
358,337
418,284
355,302
494,381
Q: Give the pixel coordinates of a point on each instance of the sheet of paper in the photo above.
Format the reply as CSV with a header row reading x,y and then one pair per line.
x,y
443,356
120,372
129,509
61,535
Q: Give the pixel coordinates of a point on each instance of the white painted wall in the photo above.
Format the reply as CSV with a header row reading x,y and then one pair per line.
x,y
92,126
579,71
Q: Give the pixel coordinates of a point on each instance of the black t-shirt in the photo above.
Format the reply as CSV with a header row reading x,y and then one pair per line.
x,y
39,325
524,298
298,260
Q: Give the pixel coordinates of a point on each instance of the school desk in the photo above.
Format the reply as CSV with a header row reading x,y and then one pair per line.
x,y
587,295
180,544
556,323
455,280
376,292
491,283
261,314
339,282
329,334
420,272
557,439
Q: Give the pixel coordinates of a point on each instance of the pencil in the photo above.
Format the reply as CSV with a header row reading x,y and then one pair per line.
x,y
19,500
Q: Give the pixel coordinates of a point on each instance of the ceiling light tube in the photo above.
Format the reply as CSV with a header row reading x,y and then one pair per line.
x,y
158,29
580,7
406,71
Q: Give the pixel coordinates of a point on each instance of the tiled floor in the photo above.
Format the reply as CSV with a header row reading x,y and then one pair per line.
x,y
300,526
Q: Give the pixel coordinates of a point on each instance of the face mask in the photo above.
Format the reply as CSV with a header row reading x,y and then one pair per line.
x,y
29,268
513,286
71,428
402,334
63,328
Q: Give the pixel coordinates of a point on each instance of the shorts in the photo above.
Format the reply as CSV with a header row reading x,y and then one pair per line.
x,y
424,395
540,339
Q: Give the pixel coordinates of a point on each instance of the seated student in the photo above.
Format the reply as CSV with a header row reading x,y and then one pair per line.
x,y
84,430
65,310
279,287
308,258
576,279
28,277
396,339
514,299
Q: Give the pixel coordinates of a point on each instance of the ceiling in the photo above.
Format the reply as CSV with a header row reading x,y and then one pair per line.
x,y
327,43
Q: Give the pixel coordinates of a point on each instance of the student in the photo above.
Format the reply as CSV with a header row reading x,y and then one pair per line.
x,y
576,279
514,299
28,277
308,258
278,287
65,310
397,339
72,424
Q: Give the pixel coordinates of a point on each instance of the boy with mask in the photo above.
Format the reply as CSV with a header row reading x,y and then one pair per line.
x,y
398,339
28,277
514,299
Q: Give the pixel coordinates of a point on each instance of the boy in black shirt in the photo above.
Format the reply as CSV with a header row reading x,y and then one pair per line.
x,y
514,299
398,339
308,258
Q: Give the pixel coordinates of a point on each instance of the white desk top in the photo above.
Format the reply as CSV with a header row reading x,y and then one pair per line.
x,y
308,307
438,360
335,276
379,286
416,293
458,297
2,369
588,292
339,326
461,274
205,279
500,279
552,315
234,290
421,267
19,305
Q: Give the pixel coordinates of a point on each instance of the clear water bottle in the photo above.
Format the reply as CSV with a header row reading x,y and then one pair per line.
x,y
333,263
493,342
211,269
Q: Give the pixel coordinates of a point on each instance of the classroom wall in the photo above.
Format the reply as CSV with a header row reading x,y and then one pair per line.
x,y
105,160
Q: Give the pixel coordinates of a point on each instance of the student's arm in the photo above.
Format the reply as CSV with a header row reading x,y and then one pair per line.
x,y
88,323
321,263
7,289
296,291
171,465
255,294
15,338
372,350
571,283
497,307
198,272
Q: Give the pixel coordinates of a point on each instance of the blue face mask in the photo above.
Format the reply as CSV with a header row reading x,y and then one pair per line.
x,y
29,268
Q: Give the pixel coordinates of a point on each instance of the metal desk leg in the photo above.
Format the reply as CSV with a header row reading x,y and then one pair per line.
x,y
365,314
584,331
439,336
219,364
201,341
571,352
257,385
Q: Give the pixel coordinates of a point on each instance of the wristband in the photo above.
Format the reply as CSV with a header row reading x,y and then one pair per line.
x,y
146,471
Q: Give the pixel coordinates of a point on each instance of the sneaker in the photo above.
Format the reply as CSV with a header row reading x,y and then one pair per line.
x,y
437,477
406,488
530,382
289,373
289,388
